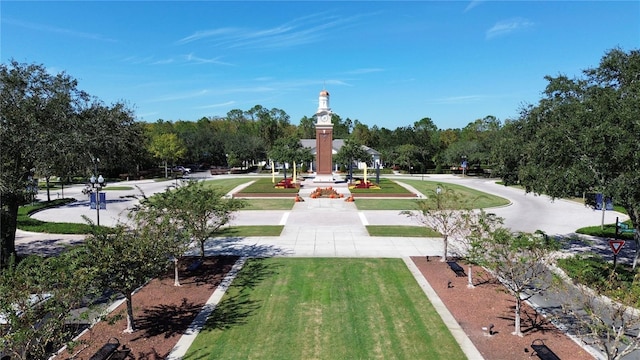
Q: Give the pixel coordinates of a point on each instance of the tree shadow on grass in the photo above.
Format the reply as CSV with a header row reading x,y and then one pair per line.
x,y
238,304
234,310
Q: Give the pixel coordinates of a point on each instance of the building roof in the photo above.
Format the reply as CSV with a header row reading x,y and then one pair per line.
x,y
336,145
324,93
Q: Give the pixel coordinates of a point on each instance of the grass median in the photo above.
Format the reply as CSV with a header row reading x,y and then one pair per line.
x,y
282,309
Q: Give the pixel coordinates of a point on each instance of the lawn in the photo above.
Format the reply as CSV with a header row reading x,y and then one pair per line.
x,y
481,200
264,185
386,204
287,308
402,231
386,187
246,230
227,184
27,223
269,204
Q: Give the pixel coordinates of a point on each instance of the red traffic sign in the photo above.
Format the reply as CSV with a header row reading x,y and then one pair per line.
x,y
616,245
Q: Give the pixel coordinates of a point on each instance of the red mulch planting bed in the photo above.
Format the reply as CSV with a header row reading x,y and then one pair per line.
x,y
488,303
162,312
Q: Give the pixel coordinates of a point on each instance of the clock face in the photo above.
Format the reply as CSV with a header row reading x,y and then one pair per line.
x,y
325,119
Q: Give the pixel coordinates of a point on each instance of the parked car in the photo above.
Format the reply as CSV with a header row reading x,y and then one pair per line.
x,y
181,169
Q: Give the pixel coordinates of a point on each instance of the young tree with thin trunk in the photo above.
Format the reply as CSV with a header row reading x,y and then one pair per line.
x,y
125,259
480,226
520,262
444,211
201,210
187,213
608,325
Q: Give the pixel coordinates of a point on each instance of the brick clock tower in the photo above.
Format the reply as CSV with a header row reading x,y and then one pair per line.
x,y
324,140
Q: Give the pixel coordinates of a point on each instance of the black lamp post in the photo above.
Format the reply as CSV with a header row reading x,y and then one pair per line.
x,y
97,183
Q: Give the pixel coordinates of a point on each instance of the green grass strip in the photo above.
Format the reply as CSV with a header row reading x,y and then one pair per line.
x,y
287,308
386,187
117,188
401,231
609,231
247,230
264,185
227,184
27,223
269,204
386,204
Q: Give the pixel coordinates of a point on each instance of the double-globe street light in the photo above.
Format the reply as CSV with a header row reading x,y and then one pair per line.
x,y
93,189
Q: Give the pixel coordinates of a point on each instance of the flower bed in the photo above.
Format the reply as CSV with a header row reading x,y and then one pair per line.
x,y
364,185
326,192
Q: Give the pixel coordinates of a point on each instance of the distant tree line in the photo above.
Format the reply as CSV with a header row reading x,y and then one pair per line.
x,y
248,137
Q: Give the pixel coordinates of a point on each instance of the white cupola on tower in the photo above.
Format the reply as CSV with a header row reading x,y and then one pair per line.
x,y
323,101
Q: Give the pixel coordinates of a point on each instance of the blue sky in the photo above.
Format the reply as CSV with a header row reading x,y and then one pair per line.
x,y
384,63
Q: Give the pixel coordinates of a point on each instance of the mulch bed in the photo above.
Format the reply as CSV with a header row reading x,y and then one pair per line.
x,y
162,312
489,303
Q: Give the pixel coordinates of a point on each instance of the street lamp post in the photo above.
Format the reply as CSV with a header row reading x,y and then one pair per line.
x,y
97,184
438,192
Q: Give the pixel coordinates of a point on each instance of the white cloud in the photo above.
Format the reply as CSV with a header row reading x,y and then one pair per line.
x,y
506,27
212,106
364,71
57,30
304,30
465,99
198,60
473,4
182,96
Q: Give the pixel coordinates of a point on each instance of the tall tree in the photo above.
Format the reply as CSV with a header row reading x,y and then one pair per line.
x,y
168,148
352,151
286,150
406,155
362,134
48,123
307,128
579,137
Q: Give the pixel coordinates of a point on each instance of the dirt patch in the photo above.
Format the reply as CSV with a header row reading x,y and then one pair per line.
x,y
487,304
162,312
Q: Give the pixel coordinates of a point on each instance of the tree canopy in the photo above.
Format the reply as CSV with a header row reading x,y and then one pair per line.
x,y
47,124
581,136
